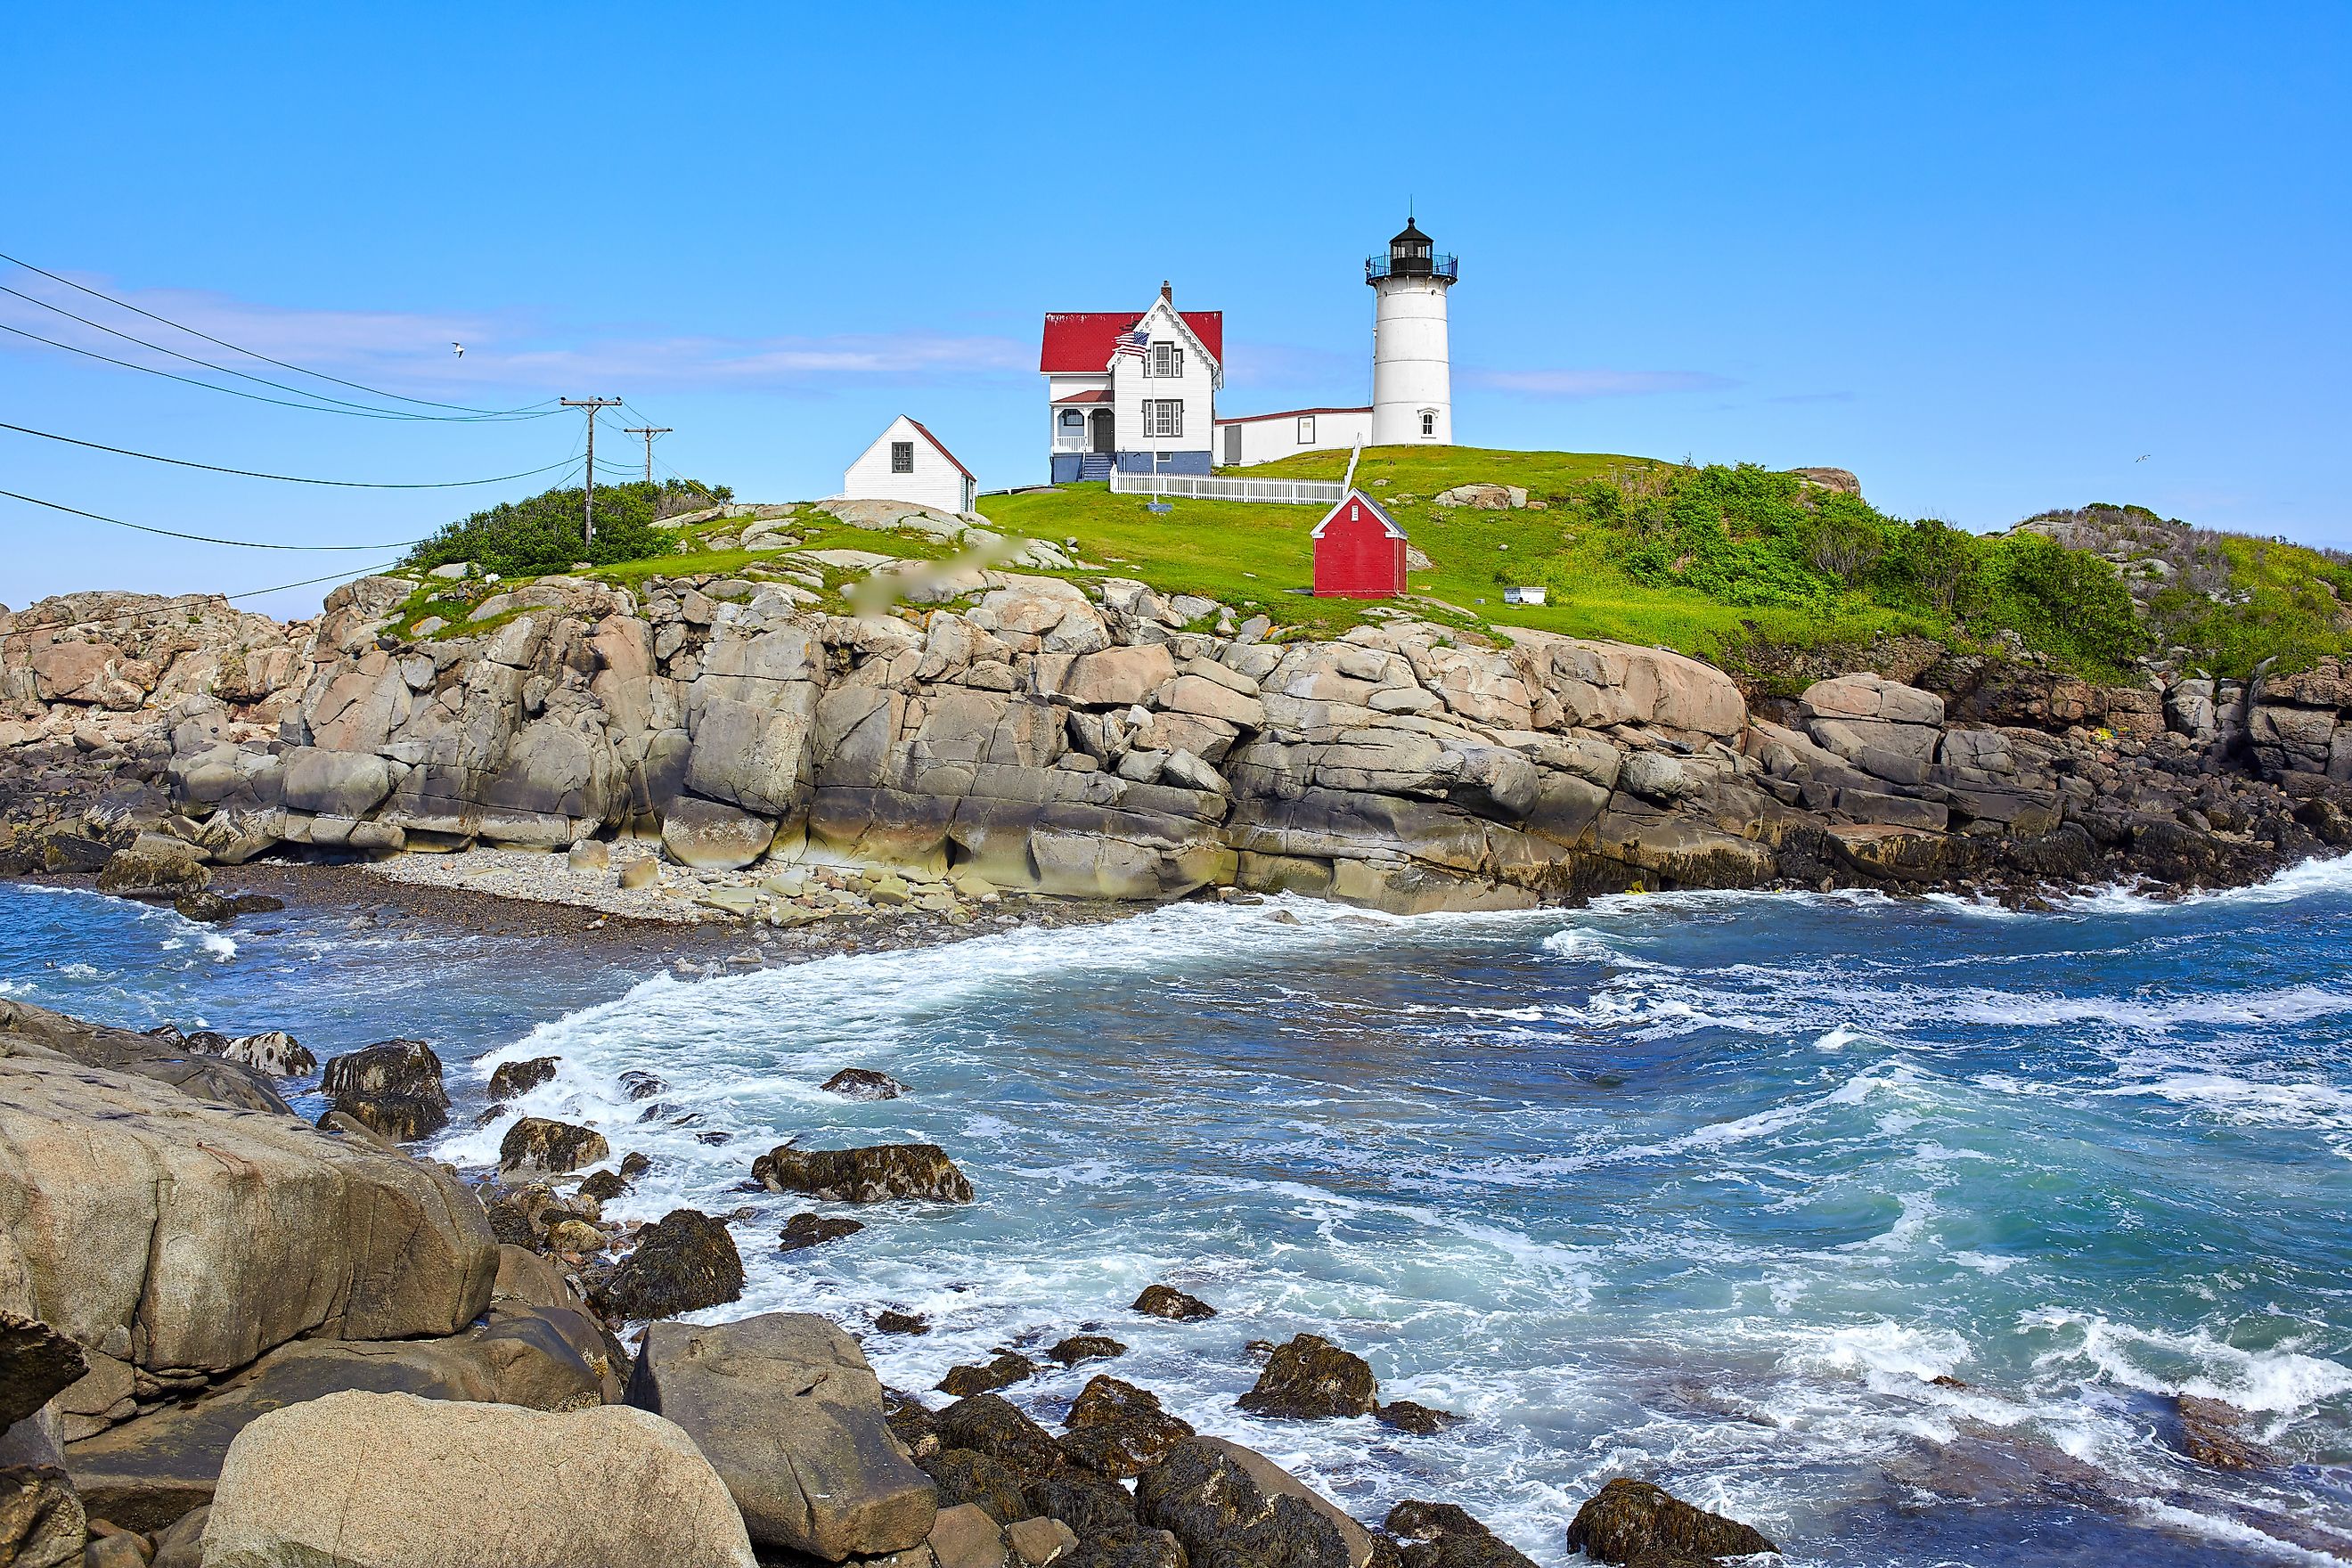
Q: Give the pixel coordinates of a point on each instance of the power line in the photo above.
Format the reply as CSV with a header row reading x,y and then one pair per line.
x,y
355,412
199,538
282,365
330,577
288,478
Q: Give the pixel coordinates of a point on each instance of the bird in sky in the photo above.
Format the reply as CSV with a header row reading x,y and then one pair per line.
x,y
457,349
2144,456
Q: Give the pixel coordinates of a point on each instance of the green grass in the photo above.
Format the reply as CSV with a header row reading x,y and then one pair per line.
x,y
2293,609
1739,565
1254,555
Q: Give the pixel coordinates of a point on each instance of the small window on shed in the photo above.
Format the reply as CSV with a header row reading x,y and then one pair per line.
x,y
1307,429
902,457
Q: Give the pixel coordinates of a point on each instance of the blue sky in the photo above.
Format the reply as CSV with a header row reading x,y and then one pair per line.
x,y
1987,256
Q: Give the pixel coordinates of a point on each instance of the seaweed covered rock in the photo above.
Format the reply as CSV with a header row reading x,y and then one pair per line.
x,y
1627,1518
683,1262
1441,1535
1119,1430
1310,1378
1167,1301
1086,1347
538,1146
509,1079
154,865
273,1051
1421,1421
806,1230
394,1088
967,1476
989,1424
1001,1371
1226,1504
863,1083
870,1175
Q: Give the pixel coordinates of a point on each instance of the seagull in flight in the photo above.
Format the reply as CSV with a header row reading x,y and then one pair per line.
x,y
2143,458
457,349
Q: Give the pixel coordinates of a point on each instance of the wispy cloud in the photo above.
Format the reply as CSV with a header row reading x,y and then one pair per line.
x,y
1584,384
1812,397
412,351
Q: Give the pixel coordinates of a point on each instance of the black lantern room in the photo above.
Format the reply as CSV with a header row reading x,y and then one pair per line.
x,y
1411,255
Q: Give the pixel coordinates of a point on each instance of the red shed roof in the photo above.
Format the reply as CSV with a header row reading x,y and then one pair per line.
x,y
1099,395
1388,523
1080,342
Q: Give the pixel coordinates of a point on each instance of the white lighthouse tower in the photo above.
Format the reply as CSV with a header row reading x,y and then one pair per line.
x,y
1413,381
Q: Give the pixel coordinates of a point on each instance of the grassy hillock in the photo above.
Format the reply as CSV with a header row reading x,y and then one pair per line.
x,y
1700,559
1737,565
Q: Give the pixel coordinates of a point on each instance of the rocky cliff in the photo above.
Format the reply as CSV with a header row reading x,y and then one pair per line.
x,y
1102,741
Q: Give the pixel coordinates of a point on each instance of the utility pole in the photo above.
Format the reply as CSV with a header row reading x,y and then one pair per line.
x,y
588,516
649,432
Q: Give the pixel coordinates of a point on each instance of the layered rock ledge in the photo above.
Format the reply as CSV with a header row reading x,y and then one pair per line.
x,y
1033,735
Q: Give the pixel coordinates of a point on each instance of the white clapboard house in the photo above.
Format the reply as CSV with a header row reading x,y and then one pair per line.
x,y
1134,391
907,463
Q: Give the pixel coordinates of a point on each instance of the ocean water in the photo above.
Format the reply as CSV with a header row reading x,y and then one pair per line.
x,y
1707,1189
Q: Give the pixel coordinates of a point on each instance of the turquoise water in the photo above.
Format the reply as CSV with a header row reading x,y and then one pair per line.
x,y
1704,1189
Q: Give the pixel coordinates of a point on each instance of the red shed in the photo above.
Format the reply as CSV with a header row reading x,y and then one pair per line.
x,y
1358,552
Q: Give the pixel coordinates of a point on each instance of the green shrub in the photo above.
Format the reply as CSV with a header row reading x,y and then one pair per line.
x,y
2062,601
543,533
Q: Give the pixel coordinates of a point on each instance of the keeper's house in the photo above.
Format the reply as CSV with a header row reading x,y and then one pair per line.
x,y
1135,391
907,463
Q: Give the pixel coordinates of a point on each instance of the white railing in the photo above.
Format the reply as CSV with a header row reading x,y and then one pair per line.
x,y
1200,487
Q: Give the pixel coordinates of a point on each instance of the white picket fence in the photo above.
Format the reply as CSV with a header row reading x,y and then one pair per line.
x,y
1202,486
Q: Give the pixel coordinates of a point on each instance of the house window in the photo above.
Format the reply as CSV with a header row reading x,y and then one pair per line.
x,y
1073,420
1429,421
1167,359
902,457
1163,416
1307,429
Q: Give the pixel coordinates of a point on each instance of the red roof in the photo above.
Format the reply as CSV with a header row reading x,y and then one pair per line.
x,y
1080,342
1101,394
1280,414
943,452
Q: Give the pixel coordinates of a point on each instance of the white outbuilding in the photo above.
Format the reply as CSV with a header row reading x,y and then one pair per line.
x,y
907,463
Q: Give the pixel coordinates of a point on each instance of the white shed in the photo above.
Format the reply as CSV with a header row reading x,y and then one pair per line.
x,y
1252,438
907,463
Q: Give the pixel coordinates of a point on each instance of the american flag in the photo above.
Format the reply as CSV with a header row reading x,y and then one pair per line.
x,y
1137,343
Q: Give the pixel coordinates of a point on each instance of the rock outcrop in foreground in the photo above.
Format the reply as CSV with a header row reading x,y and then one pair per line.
x,y
230,1338
1031,735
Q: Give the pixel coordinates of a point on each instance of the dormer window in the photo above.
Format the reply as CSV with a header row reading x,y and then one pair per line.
x,y
1167,358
